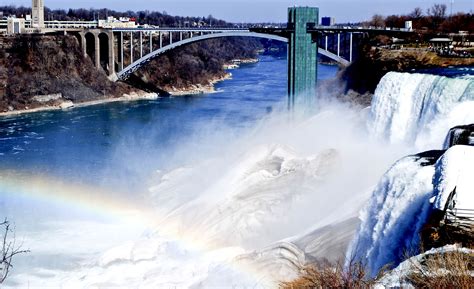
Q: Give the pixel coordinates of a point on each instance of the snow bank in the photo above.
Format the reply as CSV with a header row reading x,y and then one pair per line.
x,y
455,171
394,279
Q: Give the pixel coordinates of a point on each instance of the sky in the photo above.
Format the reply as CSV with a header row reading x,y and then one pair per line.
x,y
259,10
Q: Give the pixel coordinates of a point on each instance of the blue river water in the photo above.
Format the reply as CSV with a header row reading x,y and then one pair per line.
x,y
85,144
115,147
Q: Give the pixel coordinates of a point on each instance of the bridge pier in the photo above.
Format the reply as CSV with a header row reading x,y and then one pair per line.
x,y
83,44
350,47
111,67
141,44
97,50
339,44
151,43
120,47
131,47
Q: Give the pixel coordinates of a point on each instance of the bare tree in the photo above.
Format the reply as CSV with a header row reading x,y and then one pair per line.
x,y
9,250
416,14
438,11
377,21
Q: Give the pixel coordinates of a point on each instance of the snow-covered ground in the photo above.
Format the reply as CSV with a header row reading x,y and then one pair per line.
x,y
397,277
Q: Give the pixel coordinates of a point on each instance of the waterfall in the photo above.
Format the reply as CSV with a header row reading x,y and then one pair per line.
x,y
418,110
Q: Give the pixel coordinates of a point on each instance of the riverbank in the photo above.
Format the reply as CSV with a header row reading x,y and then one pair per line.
x,y
200,88
44,72
67,104
363,75
210,87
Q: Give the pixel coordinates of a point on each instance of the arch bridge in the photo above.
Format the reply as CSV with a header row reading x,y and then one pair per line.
x,y
122,51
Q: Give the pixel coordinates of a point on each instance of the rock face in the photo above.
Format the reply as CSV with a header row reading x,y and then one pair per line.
x,y
34,66
452,190
195,65
460,135
35,69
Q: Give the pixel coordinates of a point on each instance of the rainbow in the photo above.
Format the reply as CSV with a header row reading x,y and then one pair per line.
x,y
104,204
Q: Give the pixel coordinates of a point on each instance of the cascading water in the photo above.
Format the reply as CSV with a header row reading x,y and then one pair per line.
x,y
418,109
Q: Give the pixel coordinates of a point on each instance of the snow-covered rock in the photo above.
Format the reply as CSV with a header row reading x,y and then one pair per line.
x,y
404,199
397,278
463,134
455,172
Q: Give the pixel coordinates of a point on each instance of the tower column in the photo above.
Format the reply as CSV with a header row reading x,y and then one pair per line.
x,y
37,14
302,57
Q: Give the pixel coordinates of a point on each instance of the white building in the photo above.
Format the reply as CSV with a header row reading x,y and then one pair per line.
x,y
15,25
122,22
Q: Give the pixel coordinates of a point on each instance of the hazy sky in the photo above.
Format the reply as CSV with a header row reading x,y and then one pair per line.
x,y
259,10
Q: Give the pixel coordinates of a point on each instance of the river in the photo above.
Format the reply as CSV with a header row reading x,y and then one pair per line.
x,y
59,168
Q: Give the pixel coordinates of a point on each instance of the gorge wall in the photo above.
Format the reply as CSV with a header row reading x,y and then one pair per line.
x,y
32,67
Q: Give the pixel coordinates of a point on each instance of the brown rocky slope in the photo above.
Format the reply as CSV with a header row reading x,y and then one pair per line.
x,y
44,65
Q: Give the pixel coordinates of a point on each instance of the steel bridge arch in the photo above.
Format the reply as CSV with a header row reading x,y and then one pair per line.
x,y
127,71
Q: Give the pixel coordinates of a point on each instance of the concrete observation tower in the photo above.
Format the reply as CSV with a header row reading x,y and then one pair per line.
x,y
37,14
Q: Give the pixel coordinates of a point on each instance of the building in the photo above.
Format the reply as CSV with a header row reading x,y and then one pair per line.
x,y
122,22
15,25
37,11
441,43
328,21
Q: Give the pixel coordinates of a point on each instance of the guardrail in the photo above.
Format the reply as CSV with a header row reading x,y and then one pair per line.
x,y
463,218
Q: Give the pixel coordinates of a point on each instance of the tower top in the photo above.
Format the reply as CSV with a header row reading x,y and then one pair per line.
x,y
37,14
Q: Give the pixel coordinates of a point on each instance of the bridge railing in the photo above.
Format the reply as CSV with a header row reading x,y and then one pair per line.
x,y
179,29
463,218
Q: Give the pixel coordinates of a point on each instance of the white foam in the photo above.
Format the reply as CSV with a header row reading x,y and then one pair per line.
x,y
420,108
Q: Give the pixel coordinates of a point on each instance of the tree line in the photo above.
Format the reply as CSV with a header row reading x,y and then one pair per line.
x,y
142,17
434,20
